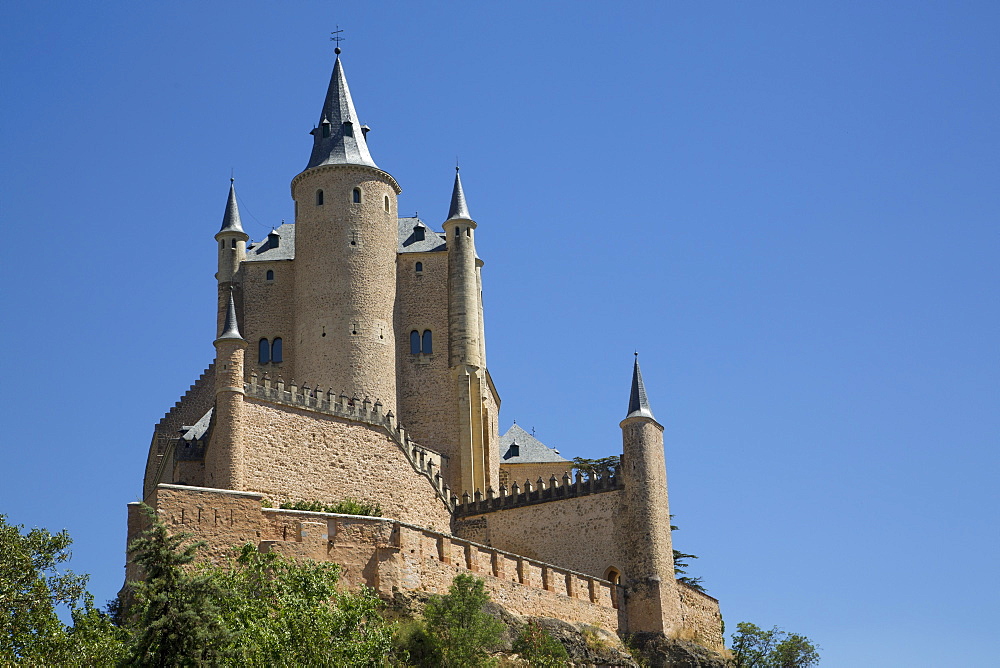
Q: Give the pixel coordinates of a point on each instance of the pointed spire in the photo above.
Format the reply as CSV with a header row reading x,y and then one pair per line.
x,y
230,330
231,220
340,138
638,404
459,209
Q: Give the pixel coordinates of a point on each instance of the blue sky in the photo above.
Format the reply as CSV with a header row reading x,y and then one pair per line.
x,y
789,209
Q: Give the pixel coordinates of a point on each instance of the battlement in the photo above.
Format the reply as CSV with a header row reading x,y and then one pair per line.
x,y
353,407
540,492
203,381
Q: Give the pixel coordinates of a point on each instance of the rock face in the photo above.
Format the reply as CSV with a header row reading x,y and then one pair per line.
x,y
658,651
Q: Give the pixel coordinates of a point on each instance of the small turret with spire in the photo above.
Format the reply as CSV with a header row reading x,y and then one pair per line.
x,y
232,242
224,456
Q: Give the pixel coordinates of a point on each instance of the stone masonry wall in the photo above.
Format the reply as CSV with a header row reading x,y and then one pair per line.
x,y
304,455
188,410
382,553
577,533
700,613
269,312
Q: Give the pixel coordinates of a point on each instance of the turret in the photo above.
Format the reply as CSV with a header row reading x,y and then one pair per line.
x,y
232,242
465,351
345,256
224,455
648,574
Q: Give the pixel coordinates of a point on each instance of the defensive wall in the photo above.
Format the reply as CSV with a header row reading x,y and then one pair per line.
x,y
383,553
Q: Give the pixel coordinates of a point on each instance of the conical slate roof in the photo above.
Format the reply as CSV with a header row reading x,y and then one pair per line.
x,y
344,143
231,219
230,330
638,404
458,209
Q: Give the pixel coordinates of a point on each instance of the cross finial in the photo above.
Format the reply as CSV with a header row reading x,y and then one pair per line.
x,y
337,38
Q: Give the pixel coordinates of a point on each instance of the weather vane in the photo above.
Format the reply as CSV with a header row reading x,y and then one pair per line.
x,y
337,38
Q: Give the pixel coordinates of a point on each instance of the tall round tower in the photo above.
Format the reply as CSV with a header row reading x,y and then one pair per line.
x,y
346,241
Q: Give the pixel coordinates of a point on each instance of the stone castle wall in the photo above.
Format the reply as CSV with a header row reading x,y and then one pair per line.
x,y
700,614
519,473
269,312
383,553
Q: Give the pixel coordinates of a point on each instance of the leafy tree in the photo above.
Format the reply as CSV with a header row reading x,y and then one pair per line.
x,y
753,647
291,613
597,467
459,628
539,648
178,620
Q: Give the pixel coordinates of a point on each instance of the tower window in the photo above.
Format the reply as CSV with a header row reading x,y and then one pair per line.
x,y
356,196
457,232
276,350
419,267
348,129
387,204
233,243
418,233
468,231
414,342
263,351
326,130
425,344
222,245
319,198
269,275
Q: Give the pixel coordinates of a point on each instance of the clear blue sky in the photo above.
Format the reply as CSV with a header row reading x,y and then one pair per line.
x,y
789,209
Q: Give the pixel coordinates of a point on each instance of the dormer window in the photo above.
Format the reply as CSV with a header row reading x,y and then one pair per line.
x,y
273,240
418,233
515,450
326,129
348,129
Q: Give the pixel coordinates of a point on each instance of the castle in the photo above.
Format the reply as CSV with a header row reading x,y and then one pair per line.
x,y
351,363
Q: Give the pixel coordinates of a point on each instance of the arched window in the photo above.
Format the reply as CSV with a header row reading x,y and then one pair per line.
x,y
614,577
222,245
319,198
356,196
457,232
387,203
425,346
419,267
414,342
276,350
263,351
269,275
234,243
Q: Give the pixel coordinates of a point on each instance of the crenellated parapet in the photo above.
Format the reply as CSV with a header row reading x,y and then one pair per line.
x,y
356,407
541,491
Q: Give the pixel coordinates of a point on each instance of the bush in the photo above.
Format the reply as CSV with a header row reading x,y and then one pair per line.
x,y
345,507
539,648
458,627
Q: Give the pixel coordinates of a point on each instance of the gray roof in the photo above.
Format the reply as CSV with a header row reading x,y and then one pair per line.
x,y
433,241
529,449
458,209
266,250
197,431
231,219
231,330
638,404
345,143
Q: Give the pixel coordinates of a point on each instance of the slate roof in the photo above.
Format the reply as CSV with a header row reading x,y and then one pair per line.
x,y
458,209
197,431
529,449
638,404
262,250
231,219
433,241
345,143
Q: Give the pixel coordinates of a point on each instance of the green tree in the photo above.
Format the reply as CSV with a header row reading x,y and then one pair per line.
x,y
291,613
596,467
539,648
753,647
176,617
32,588
458,626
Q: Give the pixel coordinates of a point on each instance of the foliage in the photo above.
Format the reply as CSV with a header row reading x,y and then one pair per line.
x,y
177,617
345,507
459,628
597,467
539,648
416,645
753,647
680,564
291,613
32,586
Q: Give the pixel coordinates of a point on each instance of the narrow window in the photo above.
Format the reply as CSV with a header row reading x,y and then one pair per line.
x,y
276,350
319,198
270,274
326,130
419,267
222,245
387,203
414,342
425,347
356,196
348,129
234,243
468,231
418,233
263,351
457,232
